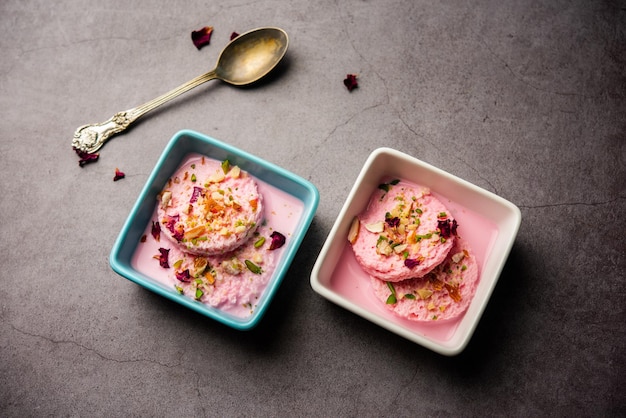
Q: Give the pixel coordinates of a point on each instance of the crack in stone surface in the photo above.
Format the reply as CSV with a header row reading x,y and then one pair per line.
x,y
465,163
571,204
91,350
523,80
192,372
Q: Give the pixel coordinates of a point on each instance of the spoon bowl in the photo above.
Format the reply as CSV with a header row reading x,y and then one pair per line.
x,y
252,55
245,60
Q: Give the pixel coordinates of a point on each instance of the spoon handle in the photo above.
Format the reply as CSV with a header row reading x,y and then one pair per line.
x,y
90,138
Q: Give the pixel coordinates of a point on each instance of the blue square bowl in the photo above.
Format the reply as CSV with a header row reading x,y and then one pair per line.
x,y
180,146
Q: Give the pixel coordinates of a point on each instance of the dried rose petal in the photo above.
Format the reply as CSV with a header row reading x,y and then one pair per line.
x,y
143,238
163,257
86,157
411,262
393,222
202,36
156,231
233,35
447,227
278,240
170,224
350,82
183,276
118,175
197,191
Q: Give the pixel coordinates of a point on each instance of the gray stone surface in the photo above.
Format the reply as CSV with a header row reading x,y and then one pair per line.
x,y
523,98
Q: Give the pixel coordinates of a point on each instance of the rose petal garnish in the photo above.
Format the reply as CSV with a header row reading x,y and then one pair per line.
x,y
197,191
350,82
118,175
86,157
447,227
393,222
202,36
278,240
411,262
163,257
233,35
156,231
183,276
170,224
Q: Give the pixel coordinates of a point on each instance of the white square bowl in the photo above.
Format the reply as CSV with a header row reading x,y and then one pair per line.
x,y
488,223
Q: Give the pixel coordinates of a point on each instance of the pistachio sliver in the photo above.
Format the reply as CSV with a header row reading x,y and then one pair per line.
x,y
253,267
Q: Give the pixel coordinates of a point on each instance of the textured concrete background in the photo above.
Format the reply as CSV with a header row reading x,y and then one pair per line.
x,y
523,98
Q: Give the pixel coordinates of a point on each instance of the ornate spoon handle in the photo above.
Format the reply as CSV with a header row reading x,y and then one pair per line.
x,y
90,138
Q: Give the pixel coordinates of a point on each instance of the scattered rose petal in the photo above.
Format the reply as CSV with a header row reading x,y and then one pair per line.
x,y
143,238
447,227
156,231
183,276
393,222
86,157
118,175
233,35
350,82
411,262
197,191
170,224
163,257
278,240
202,36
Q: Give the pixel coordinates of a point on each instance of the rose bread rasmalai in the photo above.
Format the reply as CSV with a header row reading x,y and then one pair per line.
x,y
404,232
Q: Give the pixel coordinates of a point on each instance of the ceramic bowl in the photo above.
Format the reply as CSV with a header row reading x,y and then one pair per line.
x,y
488,222
300,194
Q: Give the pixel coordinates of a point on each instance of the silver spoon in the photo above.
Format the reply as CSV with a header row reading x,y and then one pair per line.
x,y
244,60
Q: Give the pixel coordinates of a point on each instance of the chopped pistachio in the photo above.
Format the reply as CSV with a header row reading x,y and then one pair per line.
x,y
253,267
259,243
392,297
